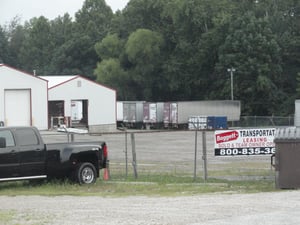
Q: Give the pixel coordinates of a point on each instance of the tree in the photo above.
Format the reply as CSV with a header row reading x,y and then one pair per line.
x,y
251,48
110,47
140,14
17,37
14,33
286,24
62,29
37,48
193,43
63,59
91,26
143,49
110,72
94,19
4,50
164,50
73,57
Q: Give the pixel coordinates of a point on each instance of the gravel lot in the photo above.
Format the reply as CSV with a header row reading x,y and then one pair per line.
x,y
278,208
165,151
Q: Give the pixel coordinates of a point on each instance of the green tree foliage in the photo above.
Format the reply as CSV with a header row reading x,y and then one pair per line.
x,y
4,51
94,19
110,72
16,34
35,53
143,46
143,49
12,37
286,24
193,53
141,14
251,48
62,60
91,25
163,50
110,47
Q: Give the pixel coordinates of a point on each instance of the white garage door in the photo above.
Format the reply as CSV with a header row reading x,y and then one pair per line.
x,y
17,107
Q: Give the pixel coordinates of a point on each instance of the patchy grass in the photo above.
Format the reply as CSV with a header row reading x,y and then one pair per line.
x,y
14,217
146,184
232,177
6,216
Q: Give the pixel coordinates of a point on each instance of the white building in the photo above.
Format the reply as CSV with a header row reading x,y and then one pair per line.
x,y
79,101
23,98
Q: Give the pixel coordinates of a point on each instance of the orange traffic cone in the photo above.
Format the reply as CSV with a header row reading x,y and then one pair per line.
x,y
105,174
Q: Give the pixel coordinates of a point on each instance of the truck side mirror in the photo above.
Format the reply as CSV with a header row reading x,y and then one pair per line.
x,y
2,142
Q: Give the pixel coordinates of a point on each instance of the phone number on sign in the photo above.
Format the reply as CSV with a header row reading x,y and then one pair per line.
x,y
243,151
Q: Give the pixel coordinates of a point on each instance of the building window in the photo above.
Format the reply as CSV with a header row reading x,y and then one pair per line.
x,y
79,83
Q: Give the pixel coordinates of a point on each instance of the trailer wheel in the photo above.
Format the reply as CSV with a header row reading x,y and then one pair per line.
x,y
85,173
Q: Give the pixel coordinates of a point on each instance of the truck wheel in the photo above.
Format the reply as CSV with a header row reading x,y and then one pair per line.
x,y
85,173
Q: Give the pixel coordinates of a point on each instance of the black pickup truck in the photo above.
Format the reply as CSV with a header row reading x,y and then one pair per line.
x,y
24,156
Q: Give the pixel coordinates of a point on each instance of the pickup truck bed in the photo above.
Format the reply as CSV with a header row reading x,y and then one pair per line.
x,y
23,155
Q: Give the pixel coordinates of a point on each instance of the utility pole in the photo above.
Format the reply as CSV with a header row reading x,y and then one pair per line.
x,y
231,70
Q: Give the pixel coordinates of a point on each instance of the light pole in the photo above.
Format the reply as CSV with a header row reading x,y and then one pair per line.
x,y
231,70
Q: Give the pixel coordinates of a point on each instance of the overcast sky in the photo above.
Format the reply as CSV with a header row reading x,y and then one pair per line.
x,y
27,9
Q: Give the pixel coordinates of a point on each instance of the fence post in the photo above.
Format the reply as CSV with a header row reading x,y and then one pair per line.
x,y
195,157
126,153
134,164
204,156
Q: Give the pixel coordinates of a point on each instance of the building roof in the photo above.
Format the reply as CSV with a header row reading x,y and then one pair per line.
x,y
4,66
57,80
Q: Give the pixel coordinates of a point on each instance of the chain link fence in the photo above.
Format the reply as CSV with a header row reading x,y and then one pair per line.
x,y
180,153
177,153
264,121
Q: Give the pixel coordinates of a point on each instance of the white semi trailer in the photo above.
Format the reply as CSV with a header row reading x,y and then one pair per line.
x,y
177,114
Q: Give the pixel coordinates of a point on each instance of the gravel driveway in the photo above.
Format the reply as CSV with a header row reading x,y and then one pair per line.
x,y
275,208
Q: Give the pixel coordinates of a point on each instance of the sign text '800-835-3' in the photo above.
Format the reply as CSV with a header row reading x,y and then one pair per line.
x,y
244,142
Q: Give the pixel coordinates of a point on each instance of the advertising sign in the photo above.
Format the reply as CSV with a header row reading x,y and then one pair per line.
x,y
244,142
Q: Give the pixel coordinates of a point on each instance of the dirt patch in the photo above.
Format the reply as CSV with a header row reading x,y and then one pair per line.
x,y
275,208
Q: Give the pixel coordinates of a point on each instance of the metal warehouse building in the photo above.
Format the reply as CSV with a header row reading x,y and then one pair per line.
x,y
23,98
79,102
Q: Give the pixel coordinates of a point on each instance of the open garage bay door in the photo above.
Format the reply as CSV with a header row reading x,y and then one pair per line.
x,y
79,113
17,107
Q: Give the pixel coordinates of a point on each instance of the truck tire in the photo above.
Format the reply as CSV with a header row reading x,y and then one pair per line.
x,y
85,173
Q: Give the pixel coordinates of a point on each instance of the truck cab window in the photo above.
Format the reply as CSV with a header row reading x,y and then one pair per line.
x,y
27,137
8,137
